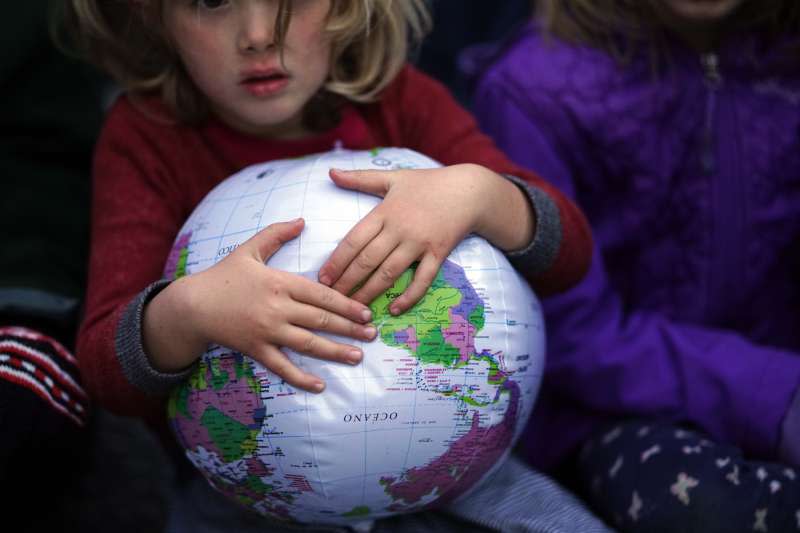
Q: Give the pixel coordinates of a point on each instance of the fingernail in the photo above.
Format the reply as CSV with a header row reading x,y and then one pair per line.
x,y
354,357
394,310
370,332
366,315
325,280
319,386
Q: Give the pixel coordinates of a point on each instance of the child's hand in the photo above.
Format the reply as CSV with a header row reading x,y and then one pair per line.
x,y
243,305
424,215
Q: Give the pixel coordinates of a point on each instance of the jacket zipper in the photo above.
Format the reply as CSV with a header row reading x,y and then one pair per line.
x,y
727,196
719,208
713,80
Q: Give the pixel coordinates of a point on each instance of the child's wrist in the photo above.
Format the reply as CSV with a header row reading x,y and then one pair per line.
x,y
170,341
487,182
507,218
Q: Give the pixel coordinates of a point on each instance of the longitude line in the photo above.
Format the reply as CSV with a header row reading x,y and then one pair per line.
x,y
305,393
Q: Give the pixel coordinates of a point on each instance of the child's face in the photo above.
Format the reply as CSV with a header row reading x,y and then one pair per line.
x,y
228,49
702,11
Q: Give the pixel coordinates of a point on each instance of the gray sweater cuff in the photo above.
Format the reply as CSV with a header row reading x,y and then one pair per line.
x,y
789,446
540,254
128,343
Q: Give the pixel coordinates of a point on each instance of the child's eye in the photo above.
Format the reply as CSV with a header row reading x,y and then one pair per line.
x,y
210,4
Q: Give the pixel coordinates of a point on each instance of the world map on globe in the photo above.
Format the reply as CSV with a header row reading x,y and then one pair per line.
x,y
437,403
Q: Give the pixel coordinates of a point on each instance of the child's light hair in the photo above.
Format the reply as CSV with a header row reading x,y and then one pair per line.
x,y
621,26
370,42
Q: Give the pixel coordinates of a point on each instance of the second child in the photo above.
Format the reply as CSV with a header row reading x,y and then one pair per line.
x,y
675,364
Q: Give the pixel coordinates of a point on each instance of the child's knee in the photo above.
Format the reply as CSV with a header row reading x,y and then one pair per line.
x,y
660,477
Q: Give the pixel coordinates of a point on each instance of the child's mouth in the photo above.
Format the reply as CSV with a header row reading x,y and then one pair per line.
x,y
264,83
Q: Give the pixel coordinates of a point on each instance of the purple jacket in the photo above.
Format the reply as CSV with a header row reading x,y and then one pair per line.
x,y
691,181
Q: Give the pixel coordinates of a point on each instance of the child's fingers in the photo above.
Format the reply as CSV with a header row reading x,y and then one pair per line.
x,y
348,249
370,259
311,317
424,275
277,361
387,273
269,240
325,298
375,182
305,342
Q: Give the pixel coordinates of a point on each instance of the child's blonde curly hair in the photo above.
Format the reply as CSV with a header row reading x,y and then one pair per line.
x,y
370,41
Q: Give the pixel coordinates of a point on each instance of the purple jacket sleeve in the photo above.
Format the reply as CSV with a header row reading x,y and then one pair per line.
x,y
609,358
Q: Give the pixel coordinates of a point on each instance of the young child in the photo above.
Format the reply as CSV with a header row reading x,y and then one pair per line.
x,y
214,86
674,125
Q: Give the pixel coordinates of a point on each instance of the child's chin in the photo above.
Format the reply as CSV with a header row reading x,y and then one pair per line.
x,y
702,11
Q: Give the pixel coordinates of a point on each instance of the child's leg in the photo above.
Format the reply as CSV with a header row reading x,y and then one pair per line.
x,y
659,477
518,498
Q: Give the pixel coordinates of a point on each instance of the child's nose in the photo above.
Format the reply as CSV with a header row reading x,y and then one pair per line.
x,y
256,26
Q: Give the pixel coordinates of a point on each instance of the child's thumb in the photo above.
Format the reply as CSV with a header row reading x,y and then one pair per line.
x,y
269,240
375,182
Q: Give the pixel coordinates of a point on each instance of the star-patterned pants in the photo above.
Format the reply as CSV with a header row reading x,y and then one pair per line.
x,y
648,477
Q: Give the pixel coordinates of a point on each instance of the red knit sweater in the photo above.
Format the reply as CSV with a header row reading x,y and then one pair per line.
x,y
150,174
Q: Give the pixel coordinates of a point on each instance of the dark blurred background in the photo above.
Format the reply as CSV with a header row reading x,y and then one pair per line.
x,y
466,32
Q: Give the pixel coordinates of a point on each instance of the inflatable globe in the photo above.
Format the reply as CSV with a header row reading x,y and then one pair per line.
x,y
439,399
